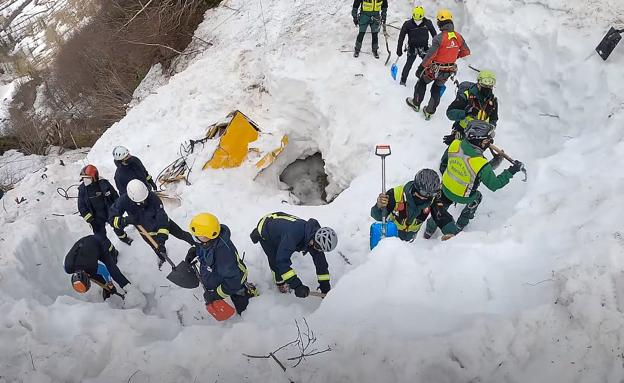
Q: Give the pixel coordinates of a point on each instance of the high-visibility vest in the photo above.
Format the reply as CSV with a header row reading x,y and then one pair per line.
x,y
400,206
372,5
448,51
461,171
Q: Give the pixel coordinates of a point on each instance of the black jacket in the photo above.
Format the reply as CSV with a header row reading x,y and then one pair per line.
x,y
417,35
131,169
86,253
95,200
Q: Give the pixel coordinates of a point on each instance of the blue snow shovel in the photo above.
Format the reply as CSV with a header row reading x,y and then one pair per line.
x,y
394,69
442,90
383,229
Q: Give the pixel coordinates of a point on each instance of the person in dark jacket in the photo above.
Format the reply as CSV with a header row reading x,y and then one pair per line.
x,y
145,208
373,13
417,30
222,272
475,102
280,235
85,260
409,205
95,196
130,168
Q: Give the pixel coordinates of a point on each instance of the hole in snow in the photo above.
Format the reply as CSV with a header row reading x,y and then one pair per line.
x,y
307,180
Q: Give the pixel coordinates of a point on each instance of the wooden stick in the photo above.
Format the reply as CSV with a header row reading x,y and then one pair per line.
x,y
502,153
317,294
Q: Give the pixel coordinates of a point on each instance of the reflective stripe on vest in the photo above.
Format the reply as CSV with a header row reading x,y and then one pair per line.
x,y
399,198
461,171
371,5
274,216
481,115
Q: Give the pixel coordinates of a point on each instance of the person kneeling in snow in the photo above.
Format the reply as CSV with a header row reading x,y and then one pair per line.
x,y
145,208
280,235
409,205
89,259
222,272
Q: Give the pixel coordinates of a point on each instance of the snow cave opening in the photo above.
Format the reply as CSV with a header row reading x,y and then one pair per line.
x,y
307,180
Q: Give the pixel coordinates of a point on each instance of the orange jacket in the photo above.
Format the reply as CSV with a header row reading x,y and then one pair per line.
x,y
446,47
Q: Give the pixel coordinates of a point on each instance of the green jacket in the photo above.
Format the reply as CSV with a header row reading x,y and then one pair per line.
x,y
486,175
472,98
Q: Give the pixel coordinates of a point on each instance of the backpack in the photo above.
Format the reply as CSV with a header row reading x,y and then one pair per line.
x,y
464,86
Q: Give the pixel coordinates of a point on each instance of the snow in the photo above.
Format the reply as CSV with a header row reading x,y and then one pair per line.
x,y
532,291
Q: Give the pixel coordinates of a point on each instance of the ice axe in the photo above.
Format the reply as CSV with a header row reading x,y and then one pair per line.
x,y
105,287
500,152
220,309
181,275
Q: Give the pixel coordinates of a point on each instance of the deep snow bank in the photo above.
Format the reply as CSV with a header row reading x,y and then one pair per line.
x,y
532,291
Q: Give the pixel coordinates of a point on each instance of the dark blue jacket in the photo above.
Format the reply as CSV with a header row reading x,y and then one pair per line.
x,y
282,235
221,268
131,169
86,253
150,214
95,200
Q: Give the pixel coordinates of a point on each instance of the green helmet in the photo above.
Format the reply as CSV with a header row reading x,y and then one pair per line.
x,y
486,78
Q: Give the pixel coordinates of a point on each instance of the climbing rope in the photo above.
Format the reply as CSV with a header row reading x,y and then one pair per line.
x,y
65,192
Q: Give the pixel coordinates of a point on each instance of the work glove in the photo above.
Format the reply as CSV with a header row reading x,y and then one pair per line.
x,y
302,291
283,287
448,139
152,184
399,52
161,239
211,296
516,167
324,286
127,220
420,71
190,255
382,200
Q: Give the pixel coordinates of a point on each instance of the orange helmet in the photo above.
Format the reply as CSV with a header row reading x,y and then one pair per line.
x,y
90,171
80,281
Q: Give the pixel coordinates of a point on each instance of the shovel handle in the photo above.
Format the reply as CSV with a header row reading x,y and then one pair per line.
x,y
105,287
317,294
501,153
154,244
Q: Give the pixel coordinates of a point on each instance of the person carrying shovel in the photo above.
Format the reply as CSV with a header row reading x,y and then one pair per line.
x,y
145,210
464,168
222,272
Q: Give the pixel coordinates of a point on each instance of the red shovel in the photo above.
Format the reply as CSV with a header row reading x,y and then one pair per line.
x,y
220,310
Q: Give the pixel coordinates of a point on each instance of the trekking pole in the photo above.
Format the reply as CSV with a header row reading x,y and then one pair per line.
x,y
105,287
383,151
154,244
500,152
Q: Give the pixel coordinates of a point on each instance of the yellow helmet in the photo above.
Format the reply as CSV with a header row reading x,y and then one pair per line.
x,y
444,14
205,225
418,13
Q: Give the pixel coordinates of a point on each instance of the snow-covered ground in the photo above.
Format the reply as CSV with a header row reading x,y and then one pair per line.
x,y
532,291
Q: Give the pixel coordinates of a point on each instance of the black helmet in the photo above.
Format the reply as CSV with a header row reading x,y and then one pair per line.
x,y
80,281
479,130
426,183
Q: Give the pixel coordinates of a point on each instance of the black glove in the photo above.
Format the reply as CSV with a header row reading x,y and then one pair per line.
x,y
161,251
152,184
420,71
128,220
448,139
399,52
516,167
161,239
324,286
211,296
302,291
190,255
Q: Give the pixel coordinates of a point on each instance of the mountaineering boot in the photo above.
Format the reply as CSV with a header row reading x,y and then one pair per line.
x,y
356,54
127,240
376,54
410,102
426,114
115,254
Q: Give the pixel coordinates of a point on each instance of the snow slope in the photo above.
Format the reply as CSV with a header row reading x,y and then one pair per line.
x,y
532,291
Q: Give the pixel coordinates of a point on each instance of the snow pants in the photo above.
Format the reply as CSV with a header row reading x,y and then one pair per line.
x,y
175,231
374,20
99,230
421,87
465,216
412,54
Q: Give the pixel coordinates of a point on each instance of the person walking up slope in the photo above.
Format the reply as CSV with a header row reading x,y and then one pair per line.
x,y
373,13
417,30
439,64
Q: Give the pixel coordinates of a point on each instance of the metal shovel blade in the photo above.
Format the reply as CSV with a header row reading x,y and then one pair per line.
x,y
394,69
183,276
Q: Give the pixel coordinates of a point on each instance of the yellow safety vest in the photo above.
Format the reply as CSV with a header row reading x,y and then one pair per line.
x,y
480,116
461,171
400,204
372,5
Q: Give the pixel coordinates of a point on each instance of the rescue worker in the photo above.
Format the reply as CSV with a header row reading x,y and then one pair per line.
x,y
90,259
222,272
474,101
373,13
417,30
439,64
464,168
95,196
129,168
145,208
409,205
280,235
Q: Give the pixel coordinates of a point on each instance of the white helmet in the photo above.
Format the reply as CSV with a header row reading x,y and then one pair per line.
x,y
120,152
326,238
137,191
